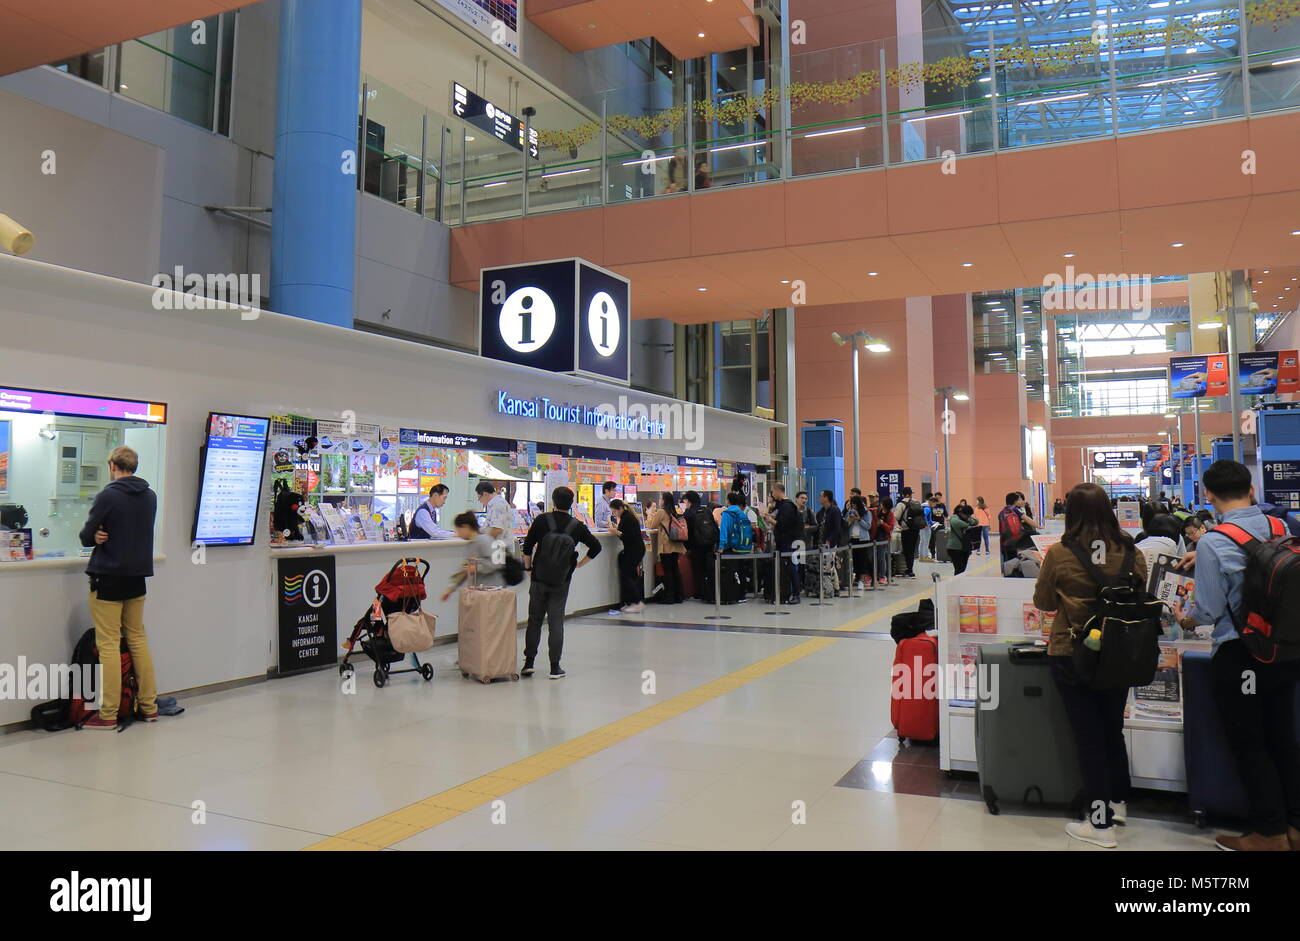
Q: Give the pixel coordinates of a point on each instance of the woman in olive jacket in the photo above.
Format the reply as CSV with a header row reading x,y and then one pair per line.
x,y
1096,716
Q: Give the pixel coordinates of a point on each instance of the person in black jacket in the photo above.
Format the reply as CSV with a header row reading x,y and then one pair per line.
x,y
632,588
699,522
546,601
787,526
120,528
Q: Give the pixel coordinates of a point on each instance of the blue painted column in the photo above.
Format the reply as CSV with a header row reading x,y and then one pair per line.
x,y
314,206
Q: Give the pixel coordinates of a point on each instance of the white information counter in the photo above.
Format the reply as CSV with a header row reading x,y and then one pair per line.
x,y
1153,729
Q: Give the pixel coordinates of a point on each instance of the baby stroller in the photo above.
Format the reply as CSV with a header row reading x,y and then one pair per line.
x,y
402,589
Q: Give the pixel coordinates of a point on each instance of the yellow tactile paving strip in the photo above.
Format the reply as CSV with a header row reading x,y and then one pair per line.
x,y
391,828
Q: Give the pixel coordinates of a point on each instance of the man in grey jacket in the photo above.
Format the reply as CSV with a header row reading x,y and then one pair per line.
x,y
120,528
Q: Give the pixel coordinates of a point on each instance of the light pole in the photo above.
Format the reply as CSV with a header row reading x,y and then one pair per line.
x,y
873,345
958,396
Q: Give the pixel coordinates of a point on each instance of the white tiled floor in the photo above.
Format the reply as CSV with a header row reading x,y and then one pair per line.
x,y
278,765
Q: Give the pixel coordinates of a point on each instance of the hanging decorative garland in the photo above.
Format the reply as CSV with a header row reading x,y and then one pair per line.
x,y
948,73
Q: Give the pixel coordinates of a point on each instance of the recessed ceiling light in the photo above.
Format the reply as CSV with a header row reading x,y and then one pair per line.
x,y
1296,232
785,280
966,264
700,35
1175,244
1266,270
1068,255
873,273
701,289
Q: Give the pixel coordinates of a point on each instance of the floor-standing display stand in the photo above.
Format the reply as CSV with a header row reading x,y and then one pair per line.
x,y
971,610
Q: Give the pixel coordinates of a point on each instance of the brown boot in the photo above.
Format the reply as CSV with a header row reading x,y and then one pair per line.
x,y
1254,843
1293,837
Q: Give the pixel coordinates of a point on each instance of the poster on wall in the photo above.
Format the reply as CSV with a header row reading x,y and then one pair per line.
x,y
498,20
1051,463
307,617
4,456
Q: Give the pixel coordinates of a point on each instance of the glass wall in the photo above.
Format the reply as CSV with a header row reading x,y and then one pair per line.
x,y
185,71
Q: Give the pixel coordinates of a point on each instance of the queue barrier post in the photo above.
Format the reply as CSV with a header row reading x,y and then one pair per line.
x,y
776,585
718,590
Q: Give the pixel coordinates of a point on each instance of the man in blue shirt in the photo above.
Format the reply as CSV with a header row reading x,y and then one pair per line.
x,y
1256,700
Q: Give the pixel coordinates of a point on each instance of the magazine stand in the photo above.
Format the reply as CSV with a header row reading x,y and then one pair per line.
x,y
1003,612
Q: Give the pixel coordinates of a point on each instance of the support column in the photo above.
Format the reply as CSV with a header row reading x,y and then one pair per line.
x,y
314,221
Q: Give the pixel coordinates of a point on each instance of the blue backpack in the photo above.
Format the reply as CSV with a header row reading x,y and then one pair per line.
x,y
740,532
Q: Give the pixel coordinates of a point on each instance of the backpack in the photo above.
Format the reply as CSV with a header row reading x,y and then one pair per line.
x,y
555,551
706,531
1128,617
284,511
70,713
1269,619
740,532
678,531
914,518
1011,527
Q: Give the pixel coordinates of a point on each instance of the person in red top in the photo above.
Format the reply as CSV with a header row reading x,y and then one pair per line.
x,y
882,528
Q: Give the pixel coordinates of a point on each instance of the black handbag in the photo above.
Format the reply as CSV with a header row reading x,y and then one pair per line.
x,y
1128,618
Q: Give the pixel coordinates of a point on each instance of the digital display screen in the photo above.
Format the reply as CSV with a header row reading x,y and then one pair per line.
x,y
230,488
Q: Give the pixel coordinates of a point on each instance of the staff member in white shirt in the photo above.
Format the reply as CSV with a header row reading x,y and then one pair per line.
x,y
607,490
500,514
424,525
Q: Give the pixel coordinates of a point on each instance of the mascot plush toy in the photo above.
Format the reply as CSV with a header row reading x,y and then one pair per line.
x,y
285,516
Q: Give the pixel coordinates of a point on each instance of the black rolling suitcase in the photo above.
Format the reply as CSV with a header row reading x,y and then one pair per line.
x,y
1214,787
1025,747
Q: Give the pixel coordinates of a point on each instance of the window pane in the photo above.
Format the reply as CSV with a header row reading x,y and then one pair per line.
x,y
173,71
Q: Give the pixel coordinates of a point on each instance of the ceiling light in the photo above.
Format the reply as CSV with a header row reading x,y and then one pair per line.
x,y
1175,244
701,289
1286,61
1266,270
469,138
967,264
490,185
785,280
1068,255
699,35
872,273
961,396
877,346
548,176
1209,325
1296,232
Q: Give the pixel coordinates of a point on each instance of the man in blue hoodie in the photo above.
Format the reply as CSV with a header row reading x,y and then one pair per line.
x,y
120,528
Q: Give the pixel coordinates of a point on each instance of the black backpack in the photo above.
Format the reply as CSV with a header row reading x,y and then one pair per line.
x,y
704,532
1128,617
1269,619
554,556
914,519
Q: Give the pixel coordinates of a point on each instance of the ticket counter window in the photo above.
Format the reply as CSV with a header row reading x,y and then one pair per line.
x,y
51,468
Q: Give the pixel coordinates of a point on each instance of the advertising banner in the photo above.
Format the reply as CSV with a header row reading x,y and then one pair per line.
x,y
1268,372
1192,377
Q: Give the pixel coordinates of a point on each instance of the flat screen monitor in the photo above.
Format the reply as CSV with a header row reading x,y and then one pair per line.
x,y
230,482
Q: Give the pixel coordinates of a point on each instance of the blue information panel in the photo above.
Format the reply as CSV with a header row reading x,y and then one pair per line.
x,y
889,483
230,490
1282,483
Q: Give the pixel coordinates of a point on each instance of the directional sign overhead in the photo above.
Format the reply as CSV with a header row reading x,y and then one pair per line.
x,y
492,119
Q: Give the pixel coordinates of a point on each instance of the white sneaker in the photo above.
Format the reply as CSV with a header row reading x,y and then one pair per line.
x,y
1119,812
1084,831
635,608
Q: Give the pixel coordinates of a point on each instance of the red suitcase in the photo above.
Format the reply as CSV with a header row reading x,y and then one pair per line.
x,y
914,689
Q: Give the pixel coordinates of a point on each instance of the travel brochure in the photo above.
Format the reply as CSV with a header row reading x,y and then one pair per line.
x,y
16,545
1170,587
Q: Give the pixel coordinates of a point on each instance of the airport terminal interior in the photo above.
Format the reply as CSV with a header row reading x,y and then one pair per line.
x,y
649,425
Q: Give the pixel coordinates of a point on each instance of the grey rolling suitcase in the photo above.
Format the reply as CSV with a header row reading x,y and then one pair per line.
x,y
939,544
1025,747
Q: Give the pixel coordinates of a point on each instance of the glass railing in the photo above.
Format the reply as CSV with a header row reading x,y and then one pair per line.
x,y
870,105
